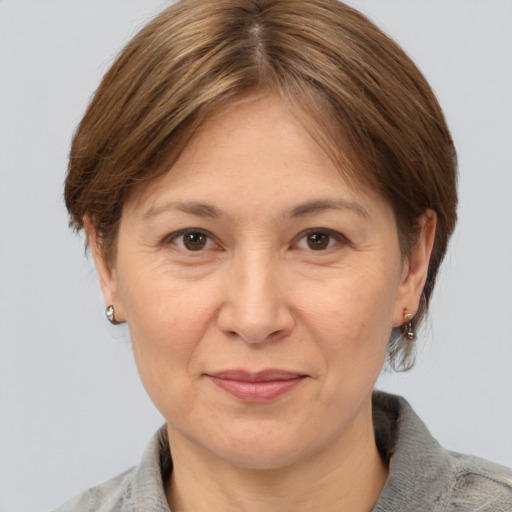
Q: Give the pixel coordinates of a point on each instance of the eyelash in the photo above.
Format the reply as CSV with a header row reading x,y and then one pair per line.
x,y
174,237
334,238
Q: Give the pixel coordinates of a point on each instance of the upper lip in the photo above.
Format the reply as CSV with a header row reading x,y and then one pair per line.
x,y
267,375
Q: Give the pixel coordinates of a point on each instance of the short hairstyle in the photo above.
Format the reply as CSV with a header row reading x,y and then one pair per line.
x,y
356,91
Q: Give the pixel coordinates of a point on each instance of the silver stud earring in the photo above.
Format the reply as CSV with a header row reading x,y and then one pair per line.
x,y
408,327
110,314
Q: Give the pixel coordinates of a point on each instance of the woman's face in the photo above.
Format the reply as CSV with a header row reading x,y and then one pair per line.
x,y
260,291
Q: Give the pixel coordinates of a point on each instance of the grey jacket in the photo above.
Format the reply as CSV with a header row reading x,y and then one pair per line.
x,y
423,476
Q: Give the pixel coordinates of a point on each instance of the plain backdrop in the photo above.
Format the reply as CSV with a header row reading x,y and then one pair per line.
x,y
72,410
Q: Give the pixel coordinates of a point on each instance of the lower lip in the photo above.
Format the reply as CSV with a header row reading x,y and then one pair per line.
x,y
260,392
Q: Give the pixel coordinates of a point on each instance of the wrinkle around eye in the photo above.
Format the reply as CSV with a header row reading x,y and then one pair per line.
x,y
335,240
198,241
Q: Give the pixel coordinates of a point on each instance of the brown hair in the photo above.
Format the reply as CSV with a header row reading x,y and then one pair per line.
x,y
370,107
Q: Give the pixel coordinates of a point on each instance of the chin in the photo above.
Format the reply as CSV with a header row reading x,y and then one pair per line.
x,y
261,458
264,448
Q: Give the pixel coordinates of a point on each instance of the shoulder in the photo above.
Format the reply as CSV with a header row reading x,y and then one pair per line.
x,y
425,477
140,488
478,484
106,497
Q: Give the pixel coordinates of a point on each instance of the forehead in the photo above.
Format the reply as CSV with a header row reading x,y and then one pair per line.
x,y
258,142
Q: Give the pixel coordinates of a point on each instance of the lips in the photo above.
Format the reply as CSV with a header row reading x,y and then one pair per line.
x,y
258,387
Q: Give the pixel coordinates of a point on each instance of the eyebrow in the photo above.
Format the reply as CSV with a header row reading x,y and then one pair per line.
x,y
322,205
193,208
207,210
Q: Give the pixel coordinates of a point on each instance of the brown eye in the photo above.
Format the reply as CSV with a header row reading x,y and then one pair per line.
x,y
193,241
190,240
318,241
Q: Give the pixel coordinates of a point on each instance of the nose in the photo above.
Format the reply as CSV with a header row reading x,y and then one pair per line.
x,y
256,308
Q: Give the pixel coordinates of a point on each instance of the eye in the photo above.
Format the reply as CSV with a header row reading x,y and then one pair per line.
x,y
191,240
319,240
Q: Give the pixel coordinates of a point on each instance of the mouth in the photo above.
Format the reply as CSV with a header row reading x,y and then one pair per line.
x,y
257,387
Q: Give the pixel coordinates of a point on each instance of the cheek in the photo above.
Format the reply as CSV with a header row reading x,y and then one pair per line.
x,y
160,305
167,324
351,321
358,304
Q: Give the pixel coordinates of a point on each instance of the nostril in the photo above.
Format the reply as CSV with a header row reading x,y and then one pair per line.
x,y
259,333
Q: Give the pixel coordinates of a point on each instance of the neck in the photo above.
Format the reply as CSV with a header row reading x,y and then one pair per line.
x,y
348,475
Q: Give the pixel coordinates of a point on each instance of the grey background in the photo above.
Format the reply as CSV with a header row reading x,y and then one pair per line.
x,y
72,410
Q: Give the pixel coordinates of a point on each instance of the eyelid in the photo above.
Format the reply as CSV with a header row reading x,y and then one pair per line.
x,y
170,238
340,238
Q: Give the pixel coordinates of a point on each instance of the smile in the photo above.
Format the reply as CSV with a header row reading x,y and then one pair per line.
x,y
257,388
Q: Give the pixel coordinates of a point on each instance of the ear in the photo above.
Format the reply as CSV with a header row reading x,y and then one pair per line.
x,y
415,270
106,271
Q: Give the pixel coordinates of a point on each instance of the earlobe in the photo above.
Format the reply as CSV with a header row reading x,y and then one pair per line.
x,y
416,269
106,272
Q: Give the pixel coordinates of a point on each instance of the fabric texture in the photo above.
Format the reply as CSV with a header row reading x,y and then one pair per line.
x,y
422,475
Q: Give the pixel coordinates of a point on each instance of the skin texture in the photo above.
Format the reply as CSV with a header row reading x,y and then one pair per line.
x,y
252,186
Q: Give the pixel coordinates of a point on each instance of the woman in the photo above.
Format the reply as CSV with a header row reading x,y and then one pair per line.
x,y
268,189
